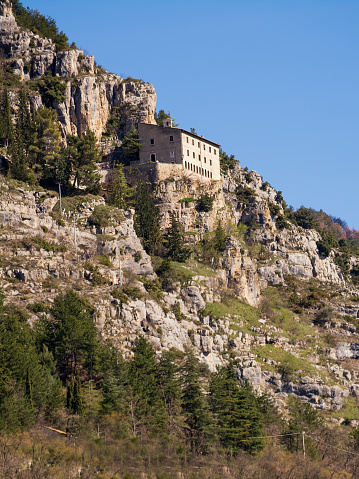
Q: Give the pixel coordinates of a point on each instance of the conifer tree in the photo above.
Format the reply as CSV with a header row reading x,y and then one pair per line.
x,y
85,163
169,385
24,127
46,142
147,219
220,236
118,191
74,396
70,333
237,411
198,419
146,406
131,144
174,242
6,124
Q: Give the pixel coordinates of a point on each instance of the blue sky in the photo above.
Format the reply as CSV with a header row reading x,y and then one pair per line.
x,y
275,82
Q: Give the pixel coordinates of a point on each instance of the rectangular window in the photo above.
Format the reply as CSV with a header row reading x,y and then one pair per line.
x,y
199,157
199,145
194,155
187,152
210,162
205,159
171,138
210,149
192,142
214,150
204,147
187,139
152,141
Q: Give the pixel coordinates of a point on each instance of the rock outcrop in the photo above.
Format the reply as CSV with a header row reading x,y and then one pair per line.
x,y
91,95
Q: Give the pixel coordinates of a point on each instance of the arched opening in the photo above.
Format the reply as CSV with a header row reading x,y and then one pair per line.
x,y
153,157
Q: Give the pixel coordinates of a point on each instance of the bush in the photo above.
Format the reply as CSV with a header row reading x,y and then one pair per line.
x,y
120,295
132,291
104,215
243,194
323,316
273,208
39,307
205,203
105,260
52,89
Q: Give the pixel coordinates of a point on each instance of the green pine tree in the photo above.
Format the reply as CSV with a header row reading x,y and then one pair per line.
x,y
174,242
220,237
147,219
118,191
199,425
131,145
146,406
45,146
237,410
85,163
6,124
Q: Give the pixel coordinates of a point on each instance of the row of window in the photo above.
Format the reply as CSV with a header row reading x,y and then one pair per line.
x,y
199,170
204,146
152,141
199,157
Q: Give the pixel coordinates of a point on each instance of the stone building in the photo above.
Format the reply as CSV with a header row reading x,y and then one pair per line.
x,y
184,150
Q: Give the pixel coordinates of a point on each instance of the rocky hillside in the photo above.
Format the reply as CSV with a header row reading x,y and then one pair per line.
x,y
268,299
90,94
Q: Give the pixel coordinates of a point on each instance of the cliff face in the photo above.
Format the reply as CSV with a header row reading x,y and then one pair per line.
x,y
91,93
202,311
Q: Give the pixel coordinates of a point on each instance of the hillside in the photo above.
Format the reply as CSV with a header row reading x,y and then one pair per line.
x,y
195,289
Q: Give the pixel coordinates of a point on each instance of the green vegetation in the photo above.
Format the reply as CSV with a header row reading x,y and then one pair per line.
x,y
205,203
104,215
131,144
147,219
162,115
118,191
51,88
244,193
176,250
227,162
39,24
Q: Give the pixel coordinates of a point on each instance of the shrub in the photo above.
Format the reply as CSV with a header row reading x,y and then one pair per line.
x,y
273,208
205,203
243,194
120,295
105,260
104,215
324,315
132,291
39,307
45,229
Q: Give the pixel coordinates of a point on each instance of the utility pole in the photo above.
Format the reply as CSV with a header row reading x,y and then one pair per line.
x,y
303,442
119,266
75,235
60,200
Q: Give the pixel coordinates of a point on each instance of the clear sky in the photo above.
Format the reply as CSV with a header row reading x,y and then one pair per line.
x,y
275,82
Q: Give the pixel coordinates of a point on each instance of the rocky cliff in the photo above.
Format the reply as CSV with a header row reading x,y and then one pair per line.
x,y
207,306
257,301
91,93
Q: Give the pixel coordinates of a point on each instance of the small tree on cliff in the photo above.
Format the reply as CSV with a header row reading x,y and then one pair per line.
x,y
131,145
147,219
118,191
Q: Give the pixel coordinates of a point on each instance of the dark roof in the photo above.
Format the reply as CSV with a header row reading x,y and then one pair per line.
x,y
193,135
198,137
